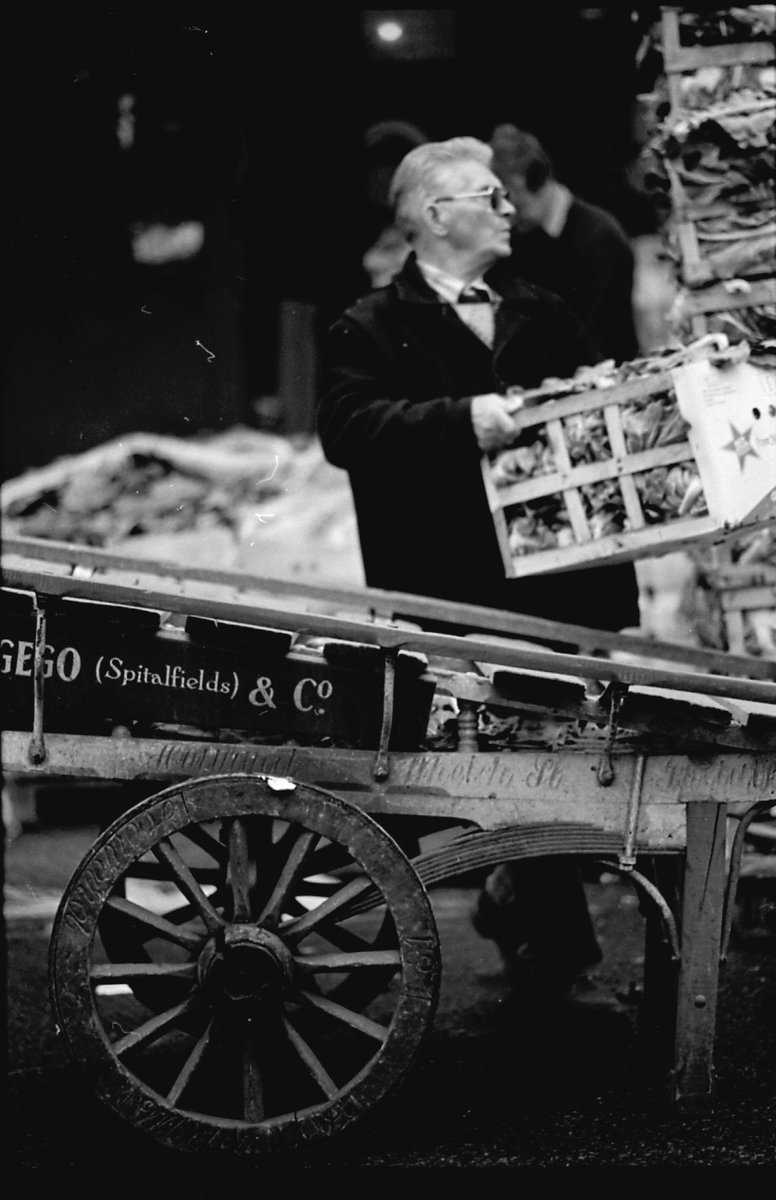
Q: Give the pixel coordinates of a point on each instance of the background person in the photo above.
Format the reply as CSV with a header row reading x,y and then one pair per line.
x,y
413,393
561,242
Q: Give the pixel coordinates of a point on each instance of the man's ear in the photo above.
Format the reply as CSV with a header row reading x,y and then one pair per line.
x,y
432,216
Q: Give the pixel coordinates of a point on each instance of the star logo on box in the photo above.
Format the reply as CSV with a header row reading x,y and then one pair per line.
x,y
741,444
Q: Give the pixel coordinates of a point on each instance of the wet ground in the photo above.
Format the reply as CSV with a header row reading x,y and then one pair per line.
x,y
498,1085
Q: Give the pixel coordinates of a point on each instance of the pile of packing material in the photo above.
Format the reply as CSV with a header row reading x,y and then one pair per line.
x,y
241,500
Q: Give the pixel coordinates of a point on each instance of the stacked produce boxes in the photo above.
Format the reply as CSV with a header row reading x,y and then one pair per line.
x,y
677,451
710,163
713,160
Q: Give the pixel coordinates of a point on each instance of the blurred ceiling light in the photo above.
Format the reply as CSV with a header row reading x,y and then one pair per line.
x,y
125,124
407,34
153,244
389,31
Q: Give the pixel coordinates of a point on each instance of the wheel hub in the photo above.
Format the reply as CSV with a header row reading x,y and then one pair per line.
x,y
244,964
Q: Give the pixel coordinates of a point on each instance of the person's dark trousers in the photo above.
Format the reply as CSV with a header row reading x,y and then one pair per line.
x,y
537,907
536,910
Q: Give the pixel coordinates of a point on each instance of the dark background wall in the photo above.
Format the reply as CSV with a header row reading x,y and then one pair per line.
x,y
254,122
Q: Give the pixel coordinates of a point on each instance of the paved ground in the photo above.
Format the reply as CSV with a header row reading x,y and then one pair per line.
x,y
498,1085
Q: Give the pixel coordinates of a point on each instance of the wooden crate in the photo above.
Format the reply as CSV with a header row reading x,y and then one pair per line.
x,y
707,294
639,538
746,595
678,59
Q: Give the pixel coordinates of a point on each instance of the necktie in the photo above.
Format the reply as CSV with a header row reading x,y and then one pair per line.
x,y
473,295
478,317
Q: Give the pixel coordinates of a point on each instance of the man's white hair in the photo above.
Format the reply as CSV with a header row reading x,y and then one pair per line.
x,y
416,179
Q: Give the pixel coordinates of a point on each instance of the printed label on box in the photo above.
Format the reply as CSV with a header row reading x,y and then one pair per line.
x,y
731,411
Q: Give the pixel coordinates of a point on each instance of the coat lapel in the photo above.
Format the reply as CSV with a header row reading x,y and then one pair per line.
x,y
439,322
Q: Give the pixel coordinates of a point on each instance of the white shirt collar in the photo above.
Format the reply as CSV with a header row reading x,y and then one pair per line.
x,y
448,287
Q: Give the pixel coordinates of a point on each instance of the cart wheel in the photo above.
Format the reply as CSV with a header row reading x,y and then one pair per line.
x,y
231,1004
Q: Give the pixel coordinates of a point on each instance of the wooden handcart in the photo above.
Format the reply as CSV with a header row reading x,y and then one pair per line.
x,y
246,960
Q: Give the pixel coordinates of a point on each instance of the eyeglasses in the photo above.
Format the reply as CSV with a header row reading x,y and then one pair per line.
x,y
495,195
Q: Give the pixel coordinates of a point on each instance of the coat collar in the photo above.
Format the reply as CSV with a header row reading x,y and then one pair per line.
x,y
412,288
515,312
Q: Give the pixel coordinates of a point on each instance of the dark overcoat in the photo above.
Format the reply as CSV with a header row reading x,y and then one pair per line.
x,y
399,371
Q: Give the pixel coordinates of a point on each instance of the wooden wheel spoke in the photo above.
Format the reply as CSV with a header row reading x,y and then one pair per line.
x,y
347,962
166,852
150,1030
329,858
317,887
313,1064
185,912
253,1080
211,845
157,872
125,972
298,854
155,925
239,869
344,939
300,926
189,1067
352,1019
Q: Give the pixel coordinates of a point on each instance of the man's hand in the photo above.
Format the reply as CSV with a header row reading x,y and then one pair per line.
x,y
493,426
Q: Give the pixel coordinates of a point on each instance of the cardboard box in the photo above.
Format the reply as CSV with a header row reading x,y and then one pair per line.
x,y
731,411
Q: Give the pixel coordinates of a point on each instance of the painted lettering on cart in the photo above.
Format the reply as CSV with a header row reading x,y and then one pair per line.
x,y
116,670
726,777
307,695
17,658
308,691
546,772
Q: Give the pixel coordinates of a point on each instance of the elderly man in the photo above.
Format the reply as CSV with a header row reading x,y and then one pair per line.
x,y
413,393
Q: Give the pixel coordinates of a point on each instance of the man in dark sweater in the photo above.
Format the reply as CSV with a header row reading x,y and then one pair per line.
x,y
567,245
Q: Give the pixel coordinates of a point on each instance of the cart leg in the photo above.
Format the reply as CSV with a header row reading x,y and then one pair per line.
x,y
702,909
657,1011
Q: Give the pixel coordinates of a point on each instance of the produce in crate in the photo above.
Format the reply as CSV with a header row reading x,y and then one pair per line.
x,y
664,491
653,421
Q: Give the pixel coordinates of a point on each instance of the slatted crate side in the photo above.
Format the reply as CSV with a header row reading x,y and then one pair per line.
x,y
750,610
641,539
651,542
498,516
737,576
744,594
696,308
678,59
740,294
